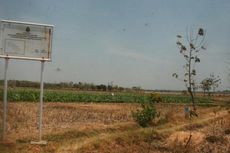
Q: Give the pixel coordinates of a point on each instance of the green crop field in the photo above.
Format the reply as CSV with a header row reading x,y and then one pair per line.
x,y
32,95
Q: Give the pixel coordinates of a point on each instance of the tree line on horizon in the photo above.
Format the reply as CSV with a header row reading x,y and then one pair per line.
x,y
84,86
71,85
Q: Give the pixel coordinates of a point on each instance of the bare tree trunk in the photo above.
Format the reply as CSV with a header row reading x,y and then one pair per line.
x,y
192,98
190,80
194,91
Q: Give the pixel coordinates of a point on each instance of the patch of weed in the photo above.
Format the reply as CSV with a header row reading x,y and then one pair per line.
x,y
214,139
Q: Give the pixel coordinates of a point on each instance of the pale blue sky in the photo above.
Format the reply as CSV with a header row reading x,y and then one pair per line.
x,y
129,42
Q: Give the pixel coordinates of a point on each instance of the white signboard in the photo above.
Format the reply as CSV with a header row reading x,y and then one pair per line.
x,y
23,40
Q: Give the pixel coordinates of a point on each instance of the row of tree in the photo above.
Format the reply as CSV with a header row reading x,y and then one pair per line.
x,y
83,86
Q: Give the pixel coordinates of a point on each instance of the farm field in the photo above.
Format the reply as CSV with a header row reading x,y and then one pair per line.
x,y
109,127
121,76
32,95
114,76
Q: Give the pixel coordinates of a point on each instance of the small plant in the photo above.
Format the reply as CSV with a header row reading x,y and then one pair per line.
x,y
155,97
145,116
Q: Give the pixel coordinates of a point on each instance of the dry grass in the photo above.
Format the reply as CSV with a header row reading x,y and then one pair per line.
x,y
164,140
57,117
70,127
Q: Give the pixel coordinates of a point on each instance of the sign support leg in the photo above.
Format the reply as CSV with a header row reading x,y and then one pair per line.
x,y
41,101
40,141
5,100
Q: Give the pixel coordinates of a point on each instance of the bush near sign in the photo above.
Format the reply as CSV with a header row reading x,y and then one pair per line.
x,y
23,40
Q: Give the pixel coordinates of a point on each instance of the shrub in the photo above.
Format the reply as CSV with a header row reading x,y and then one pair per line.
x,y
155,97
145,116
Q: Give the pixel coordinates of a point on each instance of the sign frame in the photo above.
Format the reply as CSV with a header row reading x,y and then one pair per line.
x,y
26,37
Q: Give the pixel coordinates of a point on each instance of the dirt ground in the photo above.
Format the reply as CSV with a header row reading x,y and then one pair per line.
x,y
74,127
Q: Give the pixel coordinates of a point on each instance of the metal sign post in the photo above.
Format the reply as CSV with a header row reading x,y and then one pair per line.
x,y
40,107
41,101
5,99
25,41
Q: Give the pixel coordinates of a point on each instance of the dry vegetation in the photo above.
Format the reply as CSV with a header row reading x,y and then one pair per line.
x,y
107,128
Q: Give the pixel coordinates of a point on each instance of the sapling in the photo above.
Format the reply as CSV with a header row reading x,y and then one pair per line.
x,y
190,51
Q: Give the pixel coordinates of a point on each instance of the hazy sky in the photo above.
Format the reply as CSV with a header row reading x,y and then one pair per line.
x,y
129,42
